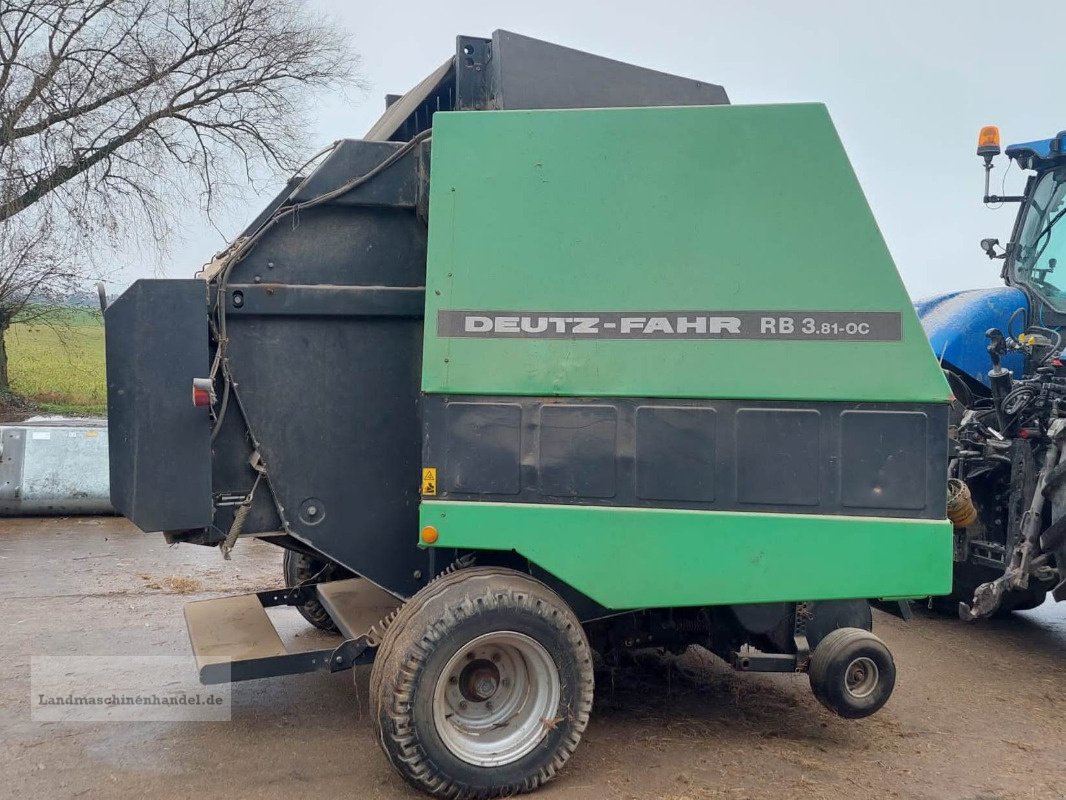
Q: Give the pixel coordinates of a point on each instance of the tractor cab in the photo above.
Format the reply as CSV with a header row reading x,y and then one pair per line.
x,y
1034,269
1035,258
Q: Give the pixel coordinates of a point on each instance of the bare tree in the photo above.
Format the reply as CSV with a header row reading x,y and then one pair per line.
x,y
114,111
35,263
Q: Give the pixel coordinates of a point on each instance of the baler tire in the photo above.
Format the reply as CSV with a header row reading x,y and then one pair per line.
x,y
462,621
428,591
846,655
299,568
400,620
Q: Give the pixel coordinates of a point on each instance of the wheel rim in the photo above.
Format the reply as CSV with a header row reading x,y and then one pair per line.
x,y
861,677
496,699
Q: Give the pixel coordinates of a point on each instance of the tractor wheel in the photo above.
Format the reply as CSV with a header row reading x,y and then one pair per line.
x,y
1025,600
298,569
852,673
482,686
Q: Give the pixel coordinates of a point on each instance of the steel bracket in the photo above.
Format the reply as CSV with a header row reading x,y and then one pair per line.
x,y
799,636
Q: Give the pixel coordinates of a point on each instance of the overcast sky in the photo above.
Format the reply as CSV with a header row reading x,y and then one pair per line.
x,y
907,83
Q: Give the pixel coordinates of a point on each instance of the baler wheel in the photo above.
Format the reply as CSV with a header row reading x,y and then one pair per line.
x,y
482,686
852,673
299,569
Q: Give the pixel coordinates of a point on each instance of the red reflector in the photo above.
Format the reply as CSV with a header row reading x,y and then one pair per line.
x,y
1023,434
203,392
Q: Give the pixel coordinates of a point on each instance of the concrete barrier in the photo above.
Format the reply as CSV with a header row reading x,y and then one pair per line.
x,y
51,466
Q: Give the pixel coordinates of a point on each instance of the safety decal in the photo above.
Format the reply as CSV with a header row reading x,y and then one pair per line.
x,y
429,481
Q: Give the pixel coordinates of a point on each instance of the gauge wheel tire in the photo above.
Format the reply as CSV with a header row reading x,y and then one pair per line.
x,y
852,673
299,568
482,686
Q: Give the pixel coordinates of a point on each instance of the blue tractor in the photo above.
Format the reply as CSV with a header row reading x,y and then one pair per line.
x,y
1002,351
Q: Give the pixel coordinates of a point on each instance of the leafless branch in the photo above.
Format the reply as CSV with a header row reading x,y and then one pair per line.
x,y
112,112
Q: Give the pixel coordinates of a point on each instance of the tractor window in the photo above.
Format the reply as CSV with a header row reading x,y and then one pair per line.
x,y
1040,255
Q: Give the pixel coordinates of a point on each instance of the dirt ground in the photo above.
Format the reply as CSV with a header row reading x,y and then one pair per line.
x,y
979,712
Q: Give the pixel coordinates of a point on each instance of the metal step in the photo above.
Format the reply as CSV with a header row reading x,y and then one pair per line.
x,y
233,639
355,605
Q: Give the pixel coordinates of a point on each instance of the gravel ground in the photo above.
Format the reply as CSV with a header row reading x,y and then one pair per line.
x,y
979,711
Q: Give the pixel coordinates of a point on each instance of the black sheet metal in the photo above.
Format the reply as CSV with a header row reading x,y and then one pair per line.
x,y
511,71
860,459
159,443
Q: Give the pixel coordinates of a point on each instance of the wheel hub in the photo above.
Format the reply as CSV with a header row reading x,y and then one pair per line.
x,y
496,698
479,681
861,677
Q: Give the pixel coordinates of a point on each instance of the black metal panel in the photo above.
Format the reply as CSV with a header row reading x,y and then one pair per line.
x,y
397,186
280,299
529,73
881,459
326,350
473,76
720,455
510,71
577,450
159,443
483,447
330,240
779,456
333,404
675,453
271,208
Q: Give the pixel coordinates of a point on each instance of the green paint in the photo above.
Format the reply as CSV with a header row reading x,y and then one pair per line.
x,y
716,208
661,558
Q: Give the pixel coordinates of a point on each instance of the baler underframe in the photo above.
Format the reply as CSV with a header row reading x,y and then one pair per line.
x,y
233,638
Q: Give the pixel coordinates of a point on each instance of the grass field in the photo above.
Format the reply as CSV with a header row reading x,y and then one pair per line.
x,y
62,371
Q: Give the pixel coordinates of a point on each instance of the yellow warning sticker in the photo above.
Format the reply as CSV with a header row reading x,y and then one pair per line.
x,y
429,481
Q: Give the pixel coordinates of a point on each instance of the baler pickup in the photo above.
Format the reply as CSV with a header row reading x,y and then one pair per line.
x,y
234,639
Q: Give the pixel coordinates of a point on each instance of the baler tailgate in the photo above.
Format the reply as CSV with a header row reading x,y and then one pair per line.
x,y
233,638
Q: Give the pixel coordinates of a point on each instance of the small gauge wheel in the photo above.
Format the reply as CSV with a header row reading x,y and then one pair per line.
x,y
852,673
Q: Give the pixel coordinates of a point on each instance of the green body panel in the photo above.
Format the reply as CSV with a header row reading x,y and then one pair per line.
x,y
629,212
667,209
661,558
